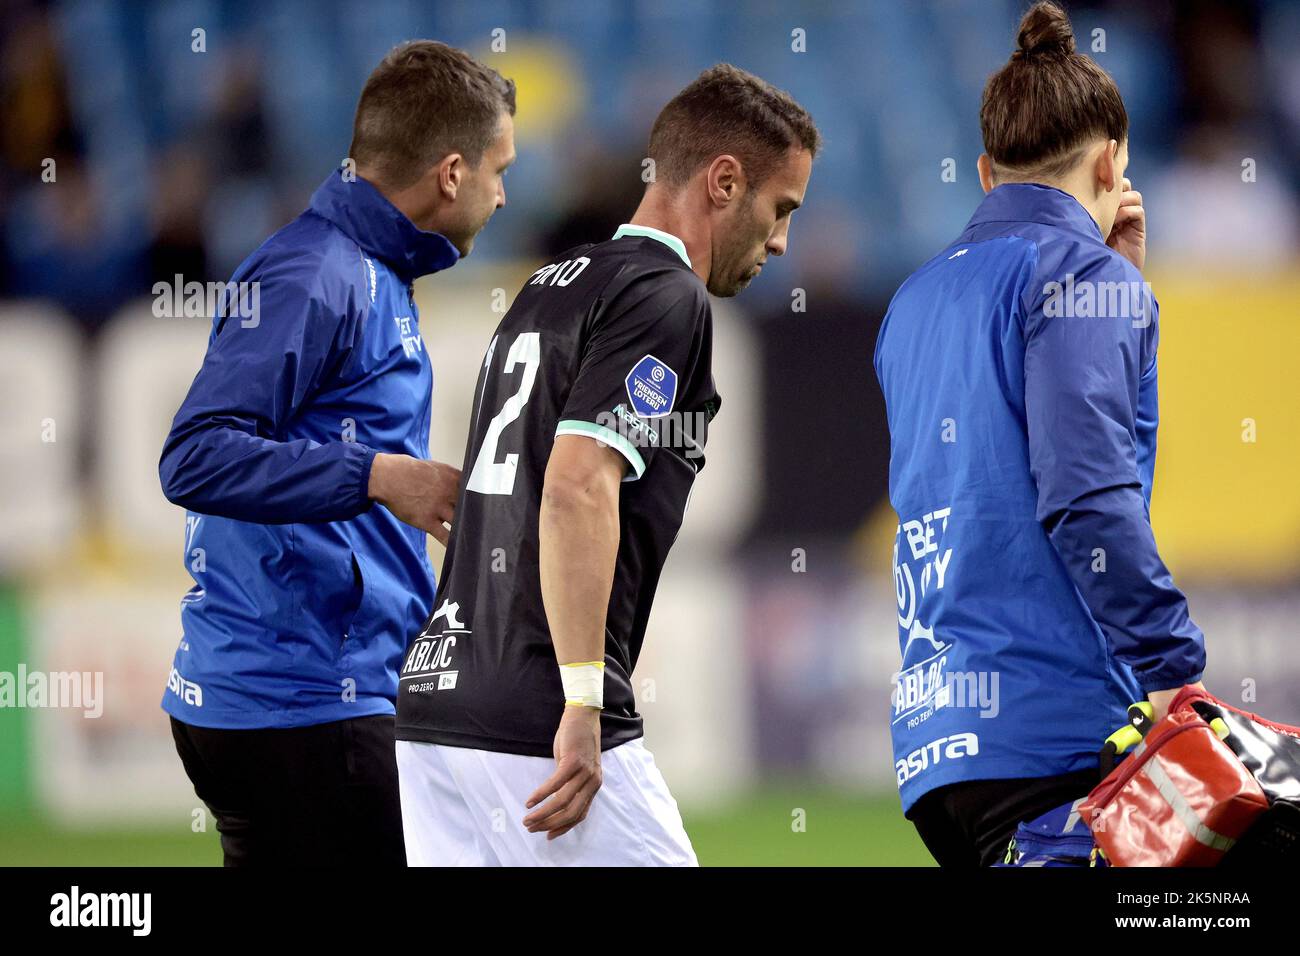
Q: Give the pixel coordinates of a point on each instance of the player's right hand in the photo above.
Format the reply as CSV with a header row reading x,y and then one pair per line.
x,y
576,779
420,493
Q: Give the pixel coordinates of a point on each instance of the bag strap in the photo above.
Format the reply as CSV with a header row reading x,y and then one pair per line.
x,y
1187,696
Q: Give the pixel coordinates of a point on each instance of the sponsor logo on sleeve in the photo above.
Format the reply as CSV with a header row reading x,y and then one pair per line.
x,y
651,388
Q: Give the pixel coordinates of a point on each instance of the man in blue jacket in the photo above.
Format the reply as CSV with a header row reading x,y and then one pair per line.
x,y
1019,374
308,412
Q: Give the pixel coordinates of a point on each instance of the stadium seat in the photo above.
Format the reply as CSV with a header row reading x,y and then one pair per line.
x,y
144,368
40,391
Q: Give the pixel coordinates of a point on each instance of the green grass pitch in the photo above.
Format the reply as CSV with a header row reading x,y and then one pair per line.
x,y
764,829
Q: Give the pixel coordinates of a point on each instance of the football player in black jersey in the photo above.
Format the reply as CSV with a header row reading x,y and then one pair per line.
x,y
591,416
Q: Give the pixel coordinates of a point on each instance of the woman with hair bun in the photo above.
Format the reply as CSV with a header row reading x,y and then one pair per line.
x,y
1019,373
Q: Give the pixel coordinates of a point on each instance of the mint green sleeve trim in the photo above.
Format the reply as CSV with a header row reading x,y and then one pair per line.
x,y
611,438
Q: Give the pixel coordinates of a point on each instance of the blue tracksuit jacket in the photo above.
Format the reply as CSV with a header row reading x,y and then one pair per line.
x,y
1019,374
304,593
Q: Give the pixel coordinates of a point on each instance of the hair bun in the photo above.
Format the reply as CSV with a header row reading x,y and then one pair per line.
x,y
1045,29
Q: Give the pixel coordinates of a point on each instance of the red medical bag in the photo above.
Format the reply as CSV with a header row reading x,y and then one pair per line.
x,y
1200,780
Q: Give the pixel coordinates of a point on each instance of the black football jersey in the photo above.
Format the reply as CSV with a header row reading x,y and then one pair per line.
x,y
612,341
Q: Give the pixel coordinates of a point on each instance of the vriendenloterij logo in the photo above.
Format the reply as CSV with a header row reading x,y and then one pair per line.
x,y
651,388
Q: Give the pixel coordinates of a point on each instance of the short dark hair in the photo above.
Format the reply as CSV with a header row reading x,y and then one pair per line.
x,y
424,100
1048,100
729,110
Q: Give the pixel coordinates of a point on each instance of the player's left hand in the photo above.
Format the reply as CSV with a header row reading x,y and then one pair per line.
x,y
1128,236
576,779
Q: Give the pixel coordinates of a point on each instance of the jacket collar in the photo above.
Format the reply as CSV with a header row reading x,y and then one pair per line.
x,y
380,229
1031,202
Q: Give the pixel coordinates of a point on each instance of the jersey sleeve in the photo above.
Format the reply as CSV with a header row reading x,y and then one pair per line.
x,y
1084,406
647,345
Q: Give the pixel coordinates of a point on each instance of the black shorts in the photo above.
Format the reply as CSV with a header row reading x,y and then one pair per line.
x,y
970,823
324,795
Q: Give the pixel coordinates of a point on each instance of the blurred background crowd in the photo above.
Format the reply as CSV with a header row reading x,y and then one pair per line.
x,y
141,141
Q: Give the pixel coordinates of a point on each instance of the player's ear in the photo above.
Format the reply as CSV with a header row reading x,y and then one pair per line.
x,y
1107,166
725,179
451,170
985,167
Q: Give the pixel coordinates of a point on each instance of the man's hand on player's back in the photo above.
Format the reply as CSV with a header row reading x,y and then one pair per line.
x,y
418,492
576,779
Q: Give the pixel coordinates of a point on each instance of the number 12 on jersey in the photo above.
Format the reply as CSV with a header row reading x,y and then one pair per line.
x,y
489,476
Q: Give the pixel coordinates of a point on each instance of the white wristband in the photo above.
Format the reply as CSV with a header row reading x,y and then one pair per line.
x,y
584,684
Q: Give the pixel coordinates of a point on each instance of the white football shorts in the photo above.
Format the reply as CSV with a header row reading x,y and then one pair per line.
x,y
465,807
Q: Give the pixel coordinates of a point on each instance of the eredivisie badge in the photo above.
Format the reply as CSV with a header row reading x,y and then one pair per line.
x,y
651,388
